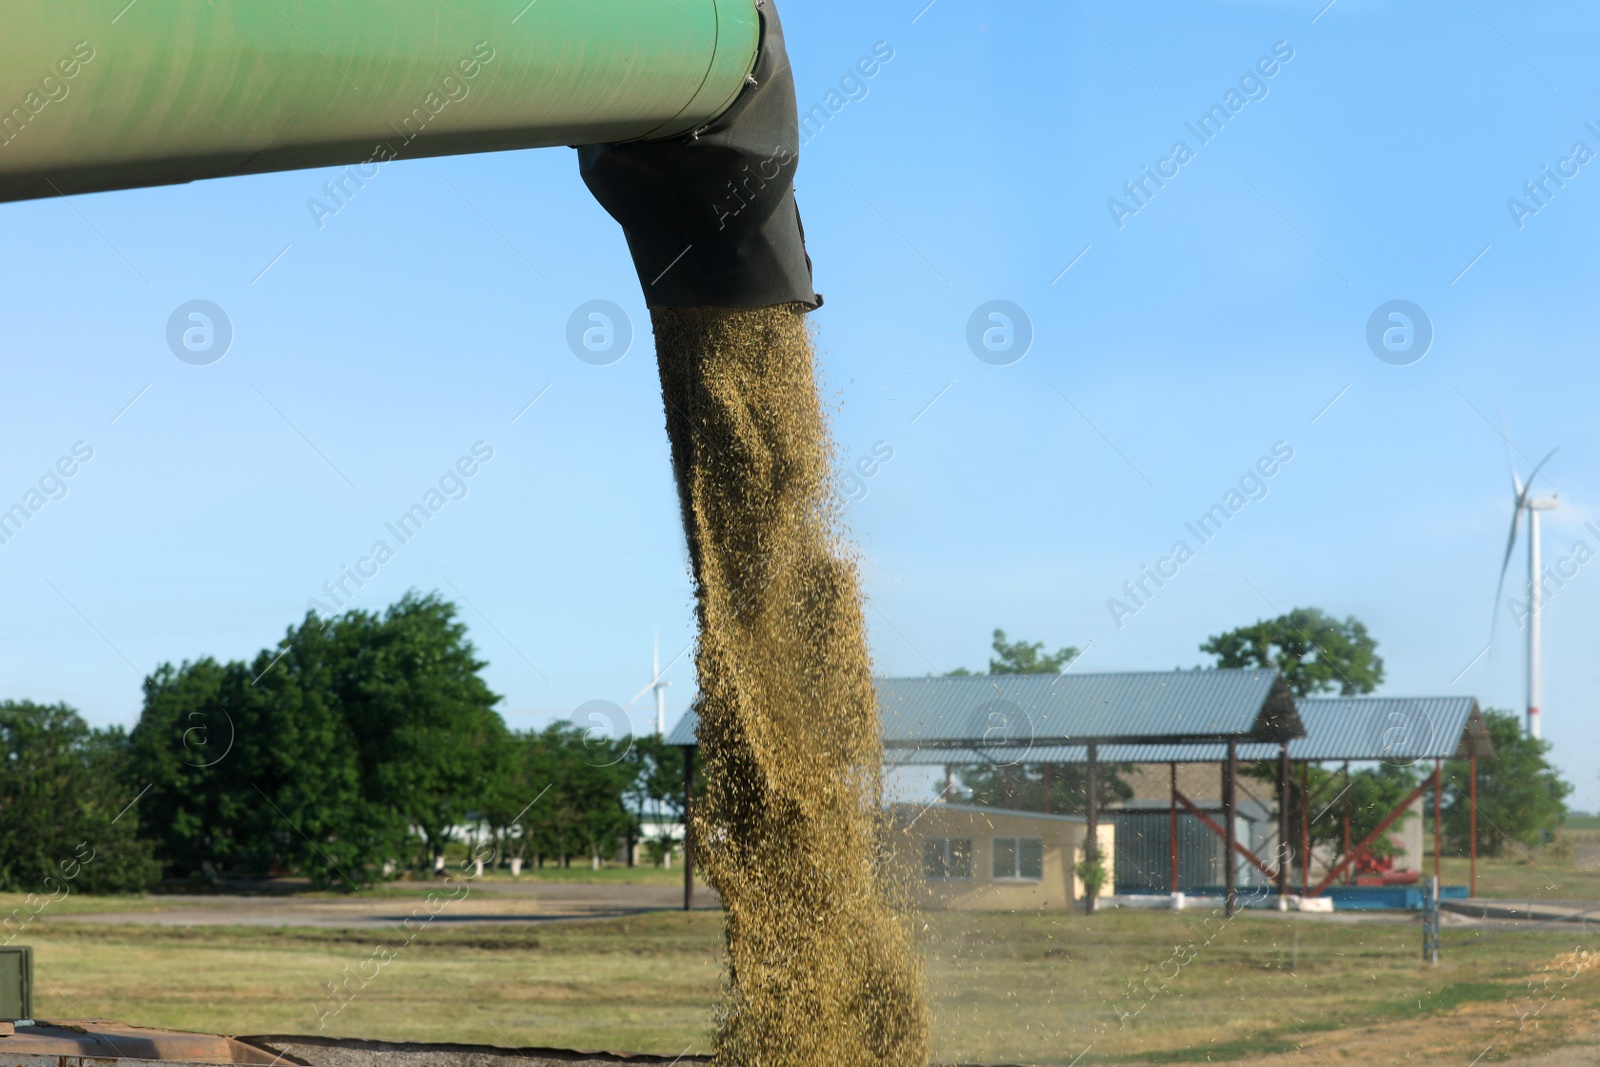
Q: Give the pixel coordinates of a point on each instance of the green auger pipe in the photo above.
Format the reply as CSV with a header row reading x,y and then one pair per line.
x,y
108,94
684,110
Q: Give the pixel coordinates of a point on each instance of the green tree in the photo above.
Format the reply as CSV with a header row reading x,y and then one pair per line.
x,y
1316,652
603,779
506,791
409,688
187,728
656,792
68,817
313,811
1521,796
584,812
253,770
1024,657
357,742
541,766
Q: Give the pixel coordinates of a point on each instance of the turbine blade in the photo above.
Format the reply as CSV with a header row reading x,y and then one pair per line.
x,y
1537,467
1505,565
1516,519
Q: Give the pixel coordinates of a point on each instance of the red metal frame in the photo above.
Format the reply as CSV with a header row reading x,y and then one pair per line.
x,y
1305,825
1366,842
1439,815
1346,851
1284,857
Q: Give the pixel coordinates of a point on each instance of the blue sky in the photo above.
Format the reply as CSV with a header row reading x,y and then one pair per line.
x,y
1225,316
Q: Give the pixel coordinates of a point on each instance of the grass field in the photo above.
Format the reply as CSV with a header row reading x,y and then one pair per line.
x,y
1030,988
1568,871
1042,989
1005,988
640,984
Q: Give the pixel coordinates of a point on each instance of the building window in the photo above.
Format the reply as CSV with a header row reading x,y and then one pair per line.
x,y
1019,858
946,857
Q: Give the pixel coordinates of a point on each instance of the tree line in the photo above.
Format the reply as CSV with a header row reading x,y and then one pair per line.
x,y
358,746
352,752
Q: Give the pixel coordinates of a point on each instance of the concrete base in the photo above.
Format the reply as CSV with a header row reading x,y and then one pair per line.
x,y
1324,904
1140,900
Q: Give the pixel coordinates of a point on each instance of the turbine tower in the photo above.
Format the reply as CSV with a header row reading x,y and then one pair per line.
x,y
1524,501
657,686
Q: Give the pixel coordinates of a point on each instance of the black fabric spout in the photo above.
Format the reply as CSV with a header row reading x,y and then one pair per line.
x,y
711,218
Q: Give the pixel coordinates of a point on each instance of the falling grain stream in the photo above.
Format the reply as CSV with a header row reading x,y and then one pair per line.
x,y
821,968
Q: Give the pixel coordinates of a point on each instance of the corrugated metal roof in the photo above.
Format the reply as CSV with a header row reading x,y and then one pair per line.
x,y
1032,710
682,735
998,711
1391,728
1403,729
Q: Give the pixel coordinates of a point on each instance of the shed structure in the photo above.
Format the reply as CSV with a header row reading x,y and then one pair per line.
x,y
1010,720
1364,729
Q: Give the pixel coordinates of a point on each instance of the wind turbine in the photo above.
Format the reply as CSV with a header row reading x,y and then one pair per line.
x,y
660,687
1525,501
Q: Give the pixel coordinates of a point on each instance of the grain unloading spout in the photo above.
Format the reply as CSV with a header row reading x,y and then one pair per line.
x,y
711,218
685,95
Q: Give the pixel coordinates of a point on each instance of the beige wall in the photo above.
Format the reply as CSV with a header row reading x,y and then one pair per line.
x,y
1406,835
1062,837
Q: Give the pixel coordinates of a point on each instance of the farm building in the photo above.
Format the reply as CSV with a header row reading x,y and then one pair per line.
x,y
981,858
